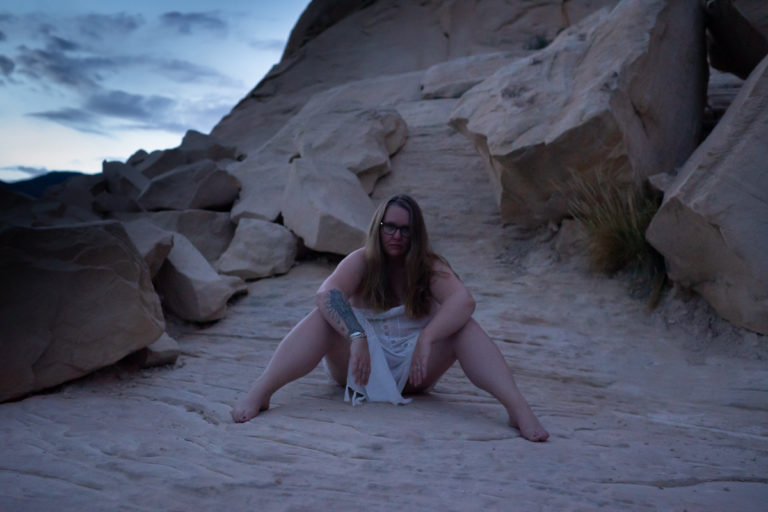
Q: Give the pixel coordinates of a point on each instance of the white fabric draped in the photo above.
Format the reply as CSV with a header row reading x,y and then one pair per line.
x,y
392,337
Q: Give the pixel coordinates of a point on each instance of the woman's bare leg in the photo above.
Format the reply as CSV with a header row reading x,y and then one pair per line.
x,y
296,355
486,368
484,365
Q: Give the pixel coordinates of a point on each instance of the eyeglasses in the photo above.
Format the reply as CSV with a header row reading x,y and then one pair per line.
x,y
390,229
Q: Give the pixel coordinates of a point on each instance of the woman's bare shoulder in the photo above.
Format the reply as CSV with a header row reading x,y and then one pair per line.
x,y
444,280
441,268
357,254
347,274
355,259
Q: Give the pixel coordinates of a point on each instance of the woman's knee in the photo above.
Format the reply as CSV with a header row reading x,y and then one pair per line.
x,y
337,353
470,330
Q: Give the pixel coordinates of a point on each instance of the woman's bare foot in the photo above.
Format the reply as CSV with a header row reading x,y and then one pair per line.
x,y
249,406
526,422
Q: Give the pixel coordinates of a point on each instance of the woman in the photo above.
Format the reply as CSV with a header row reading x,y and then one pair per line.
x,y
392,317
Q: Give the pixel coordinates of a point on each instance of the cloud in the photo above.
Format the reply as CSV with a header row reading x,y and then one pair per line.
x,y
6,65
85,74
65,114
165,114
64,61
78,119
81,73
186,22
3,37
97,26
73,51
121,104
275,45
85,55
61,60
115,110
203,115
168,125
184,71
59,44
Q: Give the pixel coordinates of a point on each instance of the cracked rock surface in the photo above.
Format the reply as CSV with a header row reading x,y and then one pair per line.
x,y
647,411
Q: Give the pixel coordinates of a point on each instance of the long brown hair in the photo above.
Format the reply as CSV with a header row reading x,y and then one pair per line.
x,y
376,287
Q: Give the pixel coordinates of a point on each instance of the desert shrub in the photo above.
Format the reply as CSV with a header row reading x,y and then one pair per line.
x,y
615,216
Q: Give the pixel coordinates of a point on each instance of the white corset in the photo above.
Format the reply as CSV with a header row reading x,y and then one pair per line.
x,y
392,337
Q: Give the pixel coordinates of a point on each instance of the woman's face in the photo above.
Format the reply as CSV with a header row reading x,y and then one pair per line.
x,y
395,232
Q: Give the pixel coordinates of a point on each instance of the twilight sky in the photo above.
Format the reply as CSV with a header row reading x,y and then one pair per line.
x,y
82,81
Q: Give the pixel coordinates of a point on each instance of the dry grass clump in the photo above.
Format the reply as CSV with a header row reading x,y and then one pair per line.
x,y
615,216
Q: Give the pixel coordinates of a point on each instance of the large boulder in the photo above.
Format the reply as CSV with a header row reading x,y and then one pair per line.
x,y
152,242
107,203
623,90
68,202
259,249
122,185
453,78
353,124
45,212
123,179
210,232
200,184
712,227
194,147
361,141
190,288
263,178
104,193
326,206
74,298
78,191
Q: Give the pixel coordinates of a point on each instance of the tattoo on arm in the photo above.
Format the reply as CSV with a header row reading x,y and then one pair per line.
x,y
339,309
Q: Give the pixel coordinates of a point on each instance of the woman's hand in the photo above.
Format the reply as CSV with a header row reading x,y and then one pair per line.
x,y
419,361
360,361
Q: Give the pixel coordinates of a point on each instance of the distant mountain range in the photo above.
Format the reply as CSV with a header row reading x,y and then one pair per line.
x,y
35,187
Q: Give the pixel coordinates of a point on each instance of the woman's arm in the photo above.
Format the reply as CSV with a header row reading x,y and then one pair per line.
x,y
332,297
456,306
333,303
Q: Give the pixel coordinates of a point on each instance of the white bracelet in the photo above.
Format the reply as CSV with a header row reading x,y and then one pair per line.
x,y
356,336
